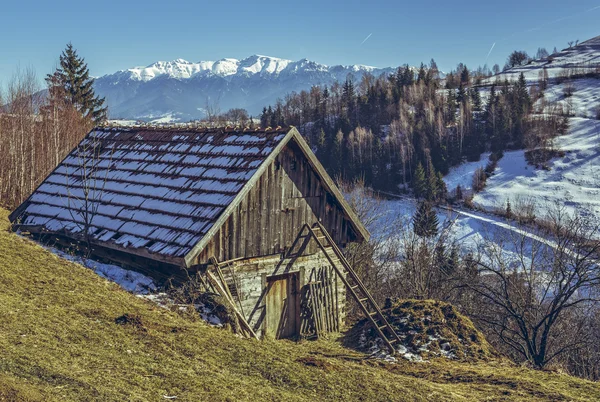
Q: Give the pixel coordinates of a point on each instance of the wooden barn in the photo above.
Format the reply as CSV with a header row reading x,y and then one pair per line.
x,y
253,210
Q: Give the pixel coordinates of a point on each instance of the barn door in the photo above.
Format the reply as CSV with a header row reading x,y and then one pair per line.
x,y
319,304
282,312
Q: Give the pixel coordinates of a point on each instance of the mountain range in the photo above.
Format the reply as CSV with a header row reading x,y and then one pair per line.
x,y
180,90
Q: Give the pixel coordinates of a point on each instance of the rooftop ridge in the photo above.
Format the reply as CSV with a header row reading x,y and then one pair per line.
x,y
190,127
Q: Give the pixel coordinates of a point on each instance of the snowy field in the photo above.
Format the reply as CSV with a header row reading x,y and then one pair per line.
x,y
472,231
572,180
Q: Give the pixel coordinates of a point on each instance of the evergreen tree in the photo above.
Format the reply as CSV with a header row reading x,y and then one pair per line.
x,y
508,208
458,192
420,182
451,106
475,98
425,221
72,82
461,96
464,76
452,262
442,190
432,188
421,74
523,97
265,118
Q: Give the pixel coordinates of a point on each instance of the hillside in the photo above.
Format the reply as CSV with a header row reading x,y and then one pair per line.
x,y
180,90
571,179
580,59
60,341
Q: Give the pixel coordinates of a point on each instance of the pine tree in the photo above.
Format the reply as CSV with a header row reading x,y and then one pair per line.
x,y
451,106
420,182
475,98
452,262
464,76
265,118
71,81
442,190
461,96
459,192
524,99
508,208
425,221
431,191
421,74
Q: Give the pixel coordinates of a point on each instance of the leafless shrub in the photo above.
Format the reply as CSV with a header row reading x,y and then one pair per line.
x,y
525,209
398,263
569,89
479,180
85,184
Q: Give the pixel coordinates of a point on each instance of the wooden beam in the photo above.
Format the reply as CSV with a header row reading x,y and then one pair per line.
x,y
330,185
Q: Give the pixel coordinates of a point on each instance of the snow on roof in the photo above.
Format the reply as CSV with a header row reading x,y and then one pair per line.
x,y
158,189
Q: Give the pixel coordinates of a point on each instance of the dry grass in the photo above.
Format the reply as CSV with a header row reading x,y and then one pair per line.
x,y
59,341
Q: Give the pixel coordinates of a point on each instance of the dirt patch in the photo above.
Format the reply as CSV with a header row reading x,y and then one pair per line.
x,y
314,362
131,320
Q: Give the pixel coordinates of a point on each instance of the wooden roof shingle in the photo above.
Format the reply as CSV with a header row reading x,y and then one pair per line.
x,y
158,192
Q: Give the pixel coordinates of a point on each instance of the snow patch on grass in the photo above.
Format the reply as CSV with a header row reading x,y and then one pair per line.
x,y
139,284
131,281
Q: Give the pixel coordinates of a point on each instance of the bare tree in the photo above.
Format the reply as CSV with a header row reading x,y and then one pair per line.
x,y
526,298
236,116
212,109
36,133
86,184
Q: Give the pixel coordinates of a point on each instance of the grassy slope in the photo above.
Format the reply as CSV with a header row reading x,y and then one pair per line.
x,y
58,340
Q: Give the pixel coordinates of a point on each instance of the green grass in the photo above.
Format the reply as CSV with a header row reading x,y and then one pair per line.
x,y
59,341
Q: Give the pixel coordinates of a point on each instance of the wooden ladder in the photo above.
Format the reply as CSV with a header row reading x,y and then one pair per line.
x,y
352,282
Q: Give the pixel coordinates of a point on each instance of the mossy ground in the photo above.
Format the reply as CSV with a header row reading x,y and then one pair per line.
x,y
432,328
60,340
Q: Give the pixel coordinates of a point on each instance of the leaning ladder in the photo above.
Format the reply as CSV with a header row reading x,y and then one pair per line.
x,y
352,282
220,286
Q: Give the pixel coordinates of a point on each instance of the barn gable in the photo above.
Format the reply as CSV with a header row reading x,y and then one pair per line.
x,y
163,193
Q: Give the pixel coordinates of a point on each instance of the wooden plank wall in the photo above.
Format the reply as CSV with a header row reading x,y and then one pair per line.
x,y
268,220
252,274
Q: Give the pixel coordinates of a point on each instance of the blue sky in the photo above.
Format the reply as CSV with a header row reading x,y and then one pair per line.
x,y
114,35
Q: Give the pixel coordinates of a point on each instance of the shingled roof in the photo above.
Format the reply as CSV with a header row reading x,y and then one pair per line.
x,y
151,191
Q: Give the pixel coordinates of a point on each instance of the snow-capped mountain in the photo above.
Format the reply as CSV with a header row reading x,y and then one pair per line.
x,y
180,90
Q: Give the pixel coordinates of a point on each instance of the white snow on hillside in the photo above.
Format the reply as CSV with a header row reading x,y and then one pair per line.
x,y
584,101
582,58
573,180
463,174
470,231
